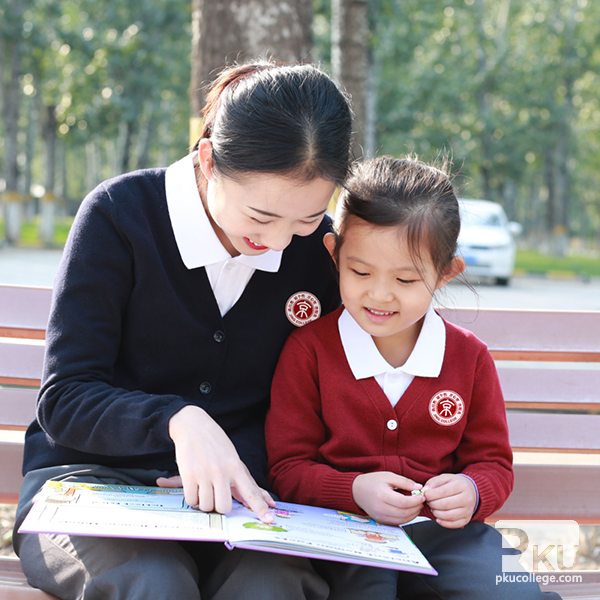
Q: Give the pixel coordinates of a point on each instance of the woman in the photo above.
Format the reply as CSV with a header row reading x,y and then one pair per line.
x,y
176,292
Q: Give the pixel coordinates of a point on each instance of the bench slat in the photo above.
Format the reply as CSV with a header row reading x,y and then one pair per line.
x,y
531,331
11,457
553,492
13,584
551,388
21,364
554,432
541,491
588,589
539,356
23,309
17,408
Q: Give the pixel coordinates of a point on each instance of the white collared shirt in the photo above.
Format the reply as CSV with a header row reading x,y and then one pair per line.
x,y
365,360
198,243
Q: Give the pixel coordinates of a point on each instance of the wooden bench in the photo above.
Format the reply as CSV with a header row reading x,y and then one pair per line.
x,y
552,398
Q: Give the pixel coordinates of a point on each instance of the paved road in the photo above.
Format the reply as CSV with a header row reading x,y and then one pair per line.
x,y
28,266
527,292
25,266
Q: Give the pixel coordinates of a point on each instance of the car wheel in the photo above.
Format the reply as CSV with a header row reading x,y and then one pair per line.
x,y
503,281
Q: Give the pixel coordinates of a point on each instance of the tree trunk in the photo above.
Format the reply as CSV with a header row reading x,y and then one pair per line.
x,y
550,197
49,135
11,102
126,132
563,142
146,136
371,108
560,232
94,163
488,61
349,60
227,31
30,203
509,199
164,136
48,201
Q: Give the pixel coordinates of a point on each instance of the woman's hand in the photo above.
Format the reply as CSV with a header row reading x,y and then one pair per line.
x,y
376,494
210,468
452,499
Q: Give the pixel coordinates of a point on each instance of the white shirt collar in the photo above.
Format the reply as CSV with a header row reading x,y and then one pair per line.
x,y
365,360
197,241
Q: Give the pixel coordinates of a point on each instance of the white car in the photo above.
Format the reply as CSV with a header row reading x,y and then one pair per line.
x,y
486,240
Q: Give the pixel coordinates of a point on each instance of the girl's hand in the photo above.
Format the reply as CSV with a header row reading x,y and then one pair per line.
x,y
452,499
210,468
376,494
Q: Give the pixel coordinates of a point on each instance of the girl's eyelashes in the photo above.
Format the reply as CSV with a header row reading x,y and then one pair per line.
x,y
310,222
307,223
359,273
406,281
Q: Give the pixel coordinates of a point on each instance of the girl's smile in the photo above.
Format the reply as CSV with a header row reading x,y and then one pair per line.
x,y
379,316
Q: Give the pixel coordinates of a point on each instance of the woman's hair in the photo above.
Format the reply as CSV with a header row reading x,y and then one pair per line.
x,y
408,194
288,119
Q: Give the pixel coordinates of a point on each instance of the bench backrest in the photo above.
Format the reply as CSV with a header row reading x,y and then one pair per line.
x,y
549,367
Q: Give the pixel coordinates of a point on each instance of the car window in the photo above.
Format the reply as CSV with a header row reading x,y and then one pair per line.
x,y
480,219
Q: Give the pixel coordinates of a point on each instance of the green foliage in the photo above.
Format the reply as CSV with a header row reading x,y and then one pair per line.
x,y
509,88
506,87
100,64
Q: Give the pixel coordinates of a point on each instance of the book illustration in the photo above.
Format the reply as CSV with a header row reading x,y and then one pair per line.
x,y
263,526
374,536
122,511
347,516
284,513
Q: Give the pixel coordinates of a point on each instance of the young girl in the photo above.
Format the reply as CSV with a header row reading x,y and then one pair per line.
x,y
170,310
383,398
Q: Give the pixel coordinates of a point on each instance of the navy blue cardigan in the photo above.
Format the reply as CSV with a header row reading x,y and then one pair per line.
x,y
134,336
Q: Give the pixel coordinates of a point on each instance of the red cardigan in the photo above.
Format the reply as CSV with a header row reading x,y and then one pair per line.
x,y
325,428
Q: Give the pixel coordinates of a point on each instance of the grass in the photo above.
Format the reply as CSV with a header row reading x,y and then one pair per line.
x,y
529,261
30,238
535,262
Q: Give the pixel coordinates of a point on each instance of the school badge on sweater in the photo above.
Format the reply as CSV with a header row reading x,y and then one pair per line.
x,y
446,408
302,308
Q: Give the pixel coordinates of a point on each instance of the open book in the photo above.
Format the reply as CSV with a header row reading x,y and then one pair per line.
x,y
161,513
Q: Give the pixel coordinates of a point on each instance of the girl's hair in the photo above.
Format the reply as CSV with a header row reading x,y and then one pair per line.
x,y
405,193
281,118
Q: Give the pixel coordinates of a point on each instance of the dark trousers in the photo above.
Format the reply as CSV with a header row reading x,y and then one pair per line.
x,y
94,568
467,560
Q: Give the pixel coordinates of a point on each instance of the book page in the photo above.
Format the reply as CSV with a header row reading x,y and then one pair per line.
x,y
120,511
328,534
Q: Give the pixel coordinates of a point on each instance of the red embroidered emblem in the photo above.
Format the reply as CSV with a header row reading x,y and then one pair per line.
x,y
446,408
302,308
